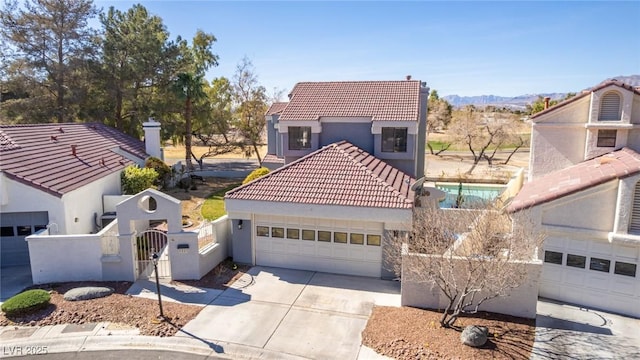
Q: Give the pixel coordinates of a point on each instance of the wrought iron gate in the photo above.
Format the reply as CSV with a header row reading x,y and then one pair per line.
x,y
146,244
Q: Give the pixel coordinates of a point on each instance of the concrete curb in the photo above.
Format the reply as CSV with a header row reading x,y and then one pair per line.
x,y
87,343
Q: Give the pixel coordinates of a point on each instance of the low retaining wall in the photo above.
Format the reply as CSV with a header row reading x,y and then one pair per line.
x,y
520,301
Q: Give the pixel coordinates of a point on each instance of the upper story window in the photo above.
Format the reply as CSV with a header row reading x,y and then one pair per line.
x,y
634,224
607,138
299,137
394,139
610,107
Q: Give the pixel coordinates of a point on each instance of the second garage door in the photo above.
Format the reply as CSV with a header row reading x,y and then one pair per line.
x,y
15,227
593,273
335,246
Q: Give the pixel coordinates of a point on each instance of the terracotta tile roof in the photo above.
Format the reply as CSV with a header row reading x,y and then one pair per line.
x,y
41,155
271,158
276,108
337,174
554,185
600,86
380,100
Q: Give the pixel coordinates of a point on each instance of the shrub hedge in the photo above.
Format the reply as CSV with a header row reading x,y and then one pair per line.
x,y
255,174
27,301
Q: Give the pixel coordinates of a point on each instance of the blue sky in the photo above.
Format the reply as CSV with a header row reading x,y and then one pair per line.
x,y
503,48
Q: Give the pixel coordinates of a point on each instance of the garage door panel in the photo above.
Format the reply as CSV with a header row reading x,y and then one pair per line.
x,y
316,255
574,277
610,290
14,250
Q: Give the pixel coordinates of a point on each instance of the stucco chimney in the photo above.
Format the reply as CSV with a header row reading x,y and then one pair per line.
x,y
73,150
546,102
408,77
152,142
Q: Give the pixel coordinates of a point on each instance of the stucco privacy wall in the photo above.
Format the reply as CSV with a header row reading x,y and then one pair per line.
x,y
520,301
60,258
189,263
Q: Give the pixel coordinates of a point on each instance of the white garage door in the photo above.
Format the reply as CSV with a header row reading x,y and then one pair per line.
x,y
343,247
592,273
14,227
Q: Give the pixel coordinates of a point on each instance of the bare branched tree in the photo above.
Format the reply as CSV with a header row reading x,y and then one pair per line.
x,y
469,256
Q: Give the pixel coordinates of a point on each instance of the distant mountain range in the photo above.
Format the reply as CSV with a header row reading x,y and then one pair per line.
x,y
520,102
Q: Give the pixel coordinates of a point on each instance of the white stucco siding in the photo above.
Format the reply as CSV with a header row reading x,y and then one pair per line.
x,y
19,197
555,148
83,203
592,209
576,112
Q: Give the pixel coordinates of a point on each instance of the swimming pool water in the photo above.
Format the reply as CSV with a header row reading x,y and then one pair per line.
x,y
473,195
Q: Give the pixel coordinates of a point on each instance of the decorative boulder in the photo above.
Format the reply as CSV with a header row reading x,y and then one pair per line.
x,y
474,335
87,292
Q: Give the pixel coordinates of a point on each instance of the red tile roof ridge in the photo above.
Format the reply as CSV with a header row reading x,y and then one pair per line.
x,y
618,164
338,185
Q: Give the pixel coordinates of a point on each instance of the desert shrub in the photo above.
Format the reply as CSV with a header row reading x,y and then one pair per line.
x,y
255,174
25,302
163,170
135,179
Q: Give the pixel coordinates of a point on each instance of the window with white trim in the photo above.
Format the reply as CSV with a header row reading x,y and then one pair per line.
x,y
299,137
394,139
610,107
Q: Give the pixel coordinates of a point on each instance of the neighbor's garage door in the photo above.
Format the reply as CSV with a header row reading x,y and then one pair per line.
x,y
592,273
14,227
343,247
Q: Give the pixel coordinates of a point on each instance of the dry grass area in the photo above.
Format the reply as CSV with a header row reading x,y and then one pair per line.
x,y
177,152
192,200
410,333
119,308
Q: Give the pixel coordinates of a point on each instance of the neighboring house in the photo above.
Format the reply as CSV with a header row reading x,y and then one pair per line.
x,y
330,211
584,194
346,156
55,176
592,123
387,119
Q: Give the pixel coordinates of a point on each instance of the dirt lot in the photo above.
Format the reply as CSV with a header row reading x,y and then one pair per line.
x,y
410,333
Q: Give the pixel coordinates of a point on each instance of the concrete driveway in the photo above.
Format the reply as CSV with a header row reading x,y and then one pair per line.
x,y
569,332
300,313
13,280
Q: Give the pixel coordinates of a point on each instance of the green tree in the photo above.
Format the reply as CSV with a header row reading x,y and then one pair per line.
x,y
438,118
251,105
539,105
136,59
53,39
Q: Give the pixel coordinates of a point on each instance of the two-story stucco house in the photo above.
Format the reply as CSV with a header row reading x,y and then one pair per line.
x,y
584,193
55,175
387,119
346,156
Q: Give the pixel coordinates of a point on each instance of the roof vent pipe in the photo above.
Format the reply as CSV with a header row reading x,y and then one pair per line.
x,y
546,102
73,150
408,77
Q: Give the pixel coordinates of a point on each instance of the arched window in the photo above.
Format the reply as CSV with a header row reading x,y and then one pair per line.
x,y
634,224
610,107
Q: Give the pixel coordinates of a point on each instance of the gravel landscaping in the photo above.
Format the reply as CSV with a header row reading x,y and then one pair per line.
x,y
410,333
120,308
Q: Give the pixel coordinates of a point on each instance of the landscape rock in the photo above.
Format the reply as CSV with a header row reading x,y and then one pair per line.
x,y
474,335
87,292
